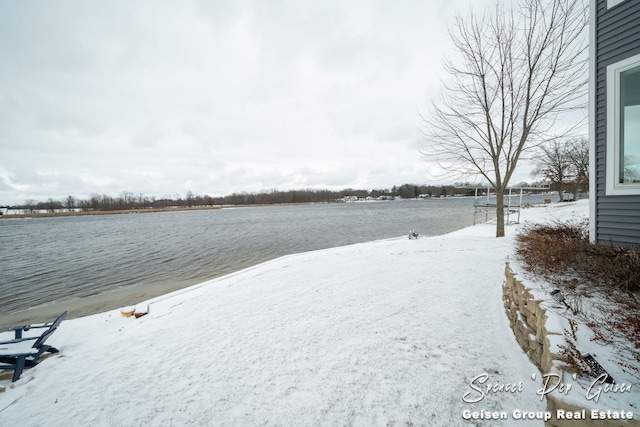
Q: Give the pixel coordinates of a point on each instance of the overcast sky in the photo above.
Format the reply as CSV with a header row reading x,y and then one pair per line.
x,y
215,97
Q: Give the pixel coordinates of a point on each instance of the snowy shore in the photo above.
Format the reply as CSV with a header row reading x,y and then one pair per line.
x,y
391,332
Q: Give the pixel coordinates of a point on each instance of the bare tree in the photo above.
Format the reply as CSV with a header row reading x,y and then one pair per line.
x,y
578,152
190,198
127,200
52,205
30,205
555,165
70,203
521,68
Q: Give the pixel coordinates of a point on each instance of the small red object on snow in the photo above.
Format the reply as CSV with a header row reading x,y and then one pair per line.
x,y
141,310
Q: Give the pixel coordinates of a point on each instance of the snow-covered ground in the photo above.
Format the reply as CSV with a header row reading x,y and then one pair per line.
x,y
390,332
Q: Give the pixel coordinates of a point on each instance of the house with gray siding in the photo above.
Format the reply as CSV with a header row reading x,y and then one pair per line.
x,y
614,121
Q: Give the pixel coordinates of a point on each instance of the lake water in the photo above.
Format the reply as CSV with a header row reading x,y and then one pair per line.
x,y
87,264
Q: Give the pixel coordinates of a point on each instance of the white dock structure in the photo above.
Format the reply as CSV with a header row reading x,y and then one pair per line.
x,y
486,201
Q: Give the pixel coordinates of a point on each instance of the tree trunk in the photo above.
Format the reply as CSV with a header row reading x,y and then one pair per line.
x,y
560,192
499,212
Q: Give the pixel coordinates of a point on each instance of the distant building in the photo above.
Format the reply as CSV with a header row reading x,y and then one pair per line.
x,y
614,121
350,198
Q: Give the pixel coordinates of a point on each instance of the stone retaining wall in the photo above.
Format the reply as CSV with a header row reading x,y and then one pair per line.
x,y
528,318
528,321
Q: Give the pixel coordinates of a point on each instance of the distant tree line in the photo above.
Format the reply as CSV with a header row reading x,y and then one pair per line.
x,y
128,200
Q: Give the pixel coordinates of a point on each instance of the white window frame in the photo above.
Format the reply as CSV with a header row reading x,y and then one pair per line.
x,y
611,3
614,187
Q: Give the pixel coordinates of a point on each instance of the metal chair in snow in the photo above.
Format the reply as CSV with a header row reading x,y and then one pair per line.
x,y
20,352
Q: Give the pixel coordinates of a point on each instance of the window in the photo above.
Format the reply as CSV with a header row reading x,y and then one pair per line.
x,y
611,3
623,127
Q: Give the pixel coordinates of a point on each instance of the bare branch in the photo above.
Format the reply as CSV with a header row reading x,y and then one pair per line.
x,y
521,69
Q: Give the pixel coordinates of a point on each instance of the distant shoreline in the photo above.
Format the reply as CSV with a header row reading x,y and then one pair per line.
x,y
140,211
114,212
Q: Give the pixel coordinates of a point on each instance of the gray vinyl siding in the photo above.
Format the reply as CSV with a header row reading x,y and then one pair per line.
x,y
617,37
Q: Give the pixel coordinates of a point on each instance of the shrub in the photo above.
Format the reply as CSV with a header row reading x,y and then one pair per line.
x,y
562,255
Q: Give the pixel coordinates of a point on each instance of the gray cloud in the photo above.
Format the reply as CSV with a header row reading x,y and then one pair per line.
x,y
165,97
